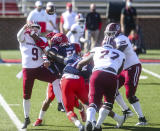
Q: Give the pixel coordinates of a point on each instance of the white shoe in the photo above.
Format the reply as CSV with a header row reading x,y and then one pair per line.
x,y
120,122
142,121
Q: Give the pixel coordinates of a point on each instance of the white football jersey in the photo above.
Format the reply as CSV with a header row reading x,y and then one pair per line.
x,y
131,57
69,19
31,54
106,57
75,37
37,16
52,18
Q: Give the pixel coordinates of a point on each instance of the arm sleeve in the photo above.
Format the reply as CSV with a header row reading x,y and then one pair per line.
x,y
20,35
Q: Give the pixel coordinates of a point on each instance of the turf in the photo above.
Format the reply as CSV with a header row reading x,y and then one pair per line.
x,y
11,89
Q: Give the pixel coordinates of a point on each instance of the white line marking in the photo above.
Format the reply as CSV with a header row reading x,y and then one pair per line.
x,y
11,114
151,73
143,77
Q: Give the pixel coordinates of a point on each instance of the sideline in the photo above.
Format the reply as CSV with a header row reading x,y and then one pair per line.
x,y
151,73
11,114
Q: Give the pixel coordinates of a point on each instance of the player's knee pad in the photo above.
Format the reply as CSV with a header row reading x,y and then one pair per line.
x,y
133,99
71,115
107,105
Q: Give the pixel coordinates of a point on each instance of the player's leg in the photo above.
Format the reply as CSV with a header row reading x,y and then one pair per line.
x,y
49,98
82,94
28,81
119,99
109,84
95,98
58,94
131,83
68,97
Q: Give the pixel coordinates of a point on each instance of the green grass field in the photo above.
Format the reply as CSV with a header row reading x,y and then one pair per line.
x,y
11,89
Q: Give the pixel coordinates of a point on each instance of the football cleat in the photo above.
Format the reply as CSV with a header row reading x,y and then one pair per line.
x,y
83,115
26,123
142,121
60,107
88,126
81,128
120,121
128,113
97,129
38,122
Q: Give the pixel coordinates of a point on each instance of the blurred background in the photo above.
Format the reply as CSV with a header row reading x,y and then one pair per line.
x,y
13,14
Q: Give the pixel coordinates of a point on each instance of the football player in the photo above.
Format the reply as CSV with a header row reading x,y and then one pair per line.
x,y
59,50
129,77
76,33
32,64
108,62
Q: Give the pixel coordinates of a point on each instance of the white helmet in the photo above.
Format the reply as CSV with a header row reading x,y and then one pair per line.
x,y
35,24
80,19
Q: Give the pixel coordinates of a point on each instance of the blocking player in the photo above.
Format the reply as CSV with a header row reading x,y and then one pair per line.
x,y
129,77
108,62
61,48
32,64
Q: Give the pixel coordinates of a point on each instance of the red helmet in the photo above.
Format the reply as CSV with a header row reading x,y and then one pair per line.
x,y
112,29
60,39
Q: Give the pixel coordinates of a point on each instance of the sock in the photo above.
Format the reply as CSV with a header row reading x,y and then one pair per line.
x,y
26,107
78,124
116,117
103,113
121,103
41,114
91,112
137,108
57,90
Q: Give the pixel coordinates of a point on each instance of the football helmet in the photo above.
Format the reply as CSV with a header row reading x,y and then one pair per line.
x,y
109,41
80,19
112,30
33,24
60,39
50,8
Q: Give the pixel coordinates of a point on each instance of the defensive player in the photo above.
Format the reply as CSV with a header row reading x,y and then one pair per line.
x,y
129,77
32,64
76,33
61,48
108,62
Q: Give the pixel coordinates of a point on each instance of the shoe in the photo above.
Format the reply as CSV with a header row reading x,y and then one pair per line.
x,y
38,122
81,128
128,113
60,107
142,121
120,121
26,123
83,115
97,129
88,126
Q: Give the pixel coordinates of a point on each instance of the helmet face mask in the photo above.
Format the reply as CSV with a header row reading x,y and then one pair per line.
x,y
112,30
35,27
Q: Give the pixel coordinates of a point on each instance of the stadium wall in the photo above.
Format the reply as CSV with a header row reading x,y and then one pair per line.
x,y
9,27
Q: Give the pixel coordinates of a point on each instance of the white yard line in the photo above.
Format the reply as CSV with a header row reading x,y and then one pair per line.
x,y
11,114
151,73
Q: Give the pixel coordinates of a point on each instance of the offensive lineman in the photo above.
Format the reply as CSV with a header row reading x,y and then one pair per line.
x,y
108,62
129,77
